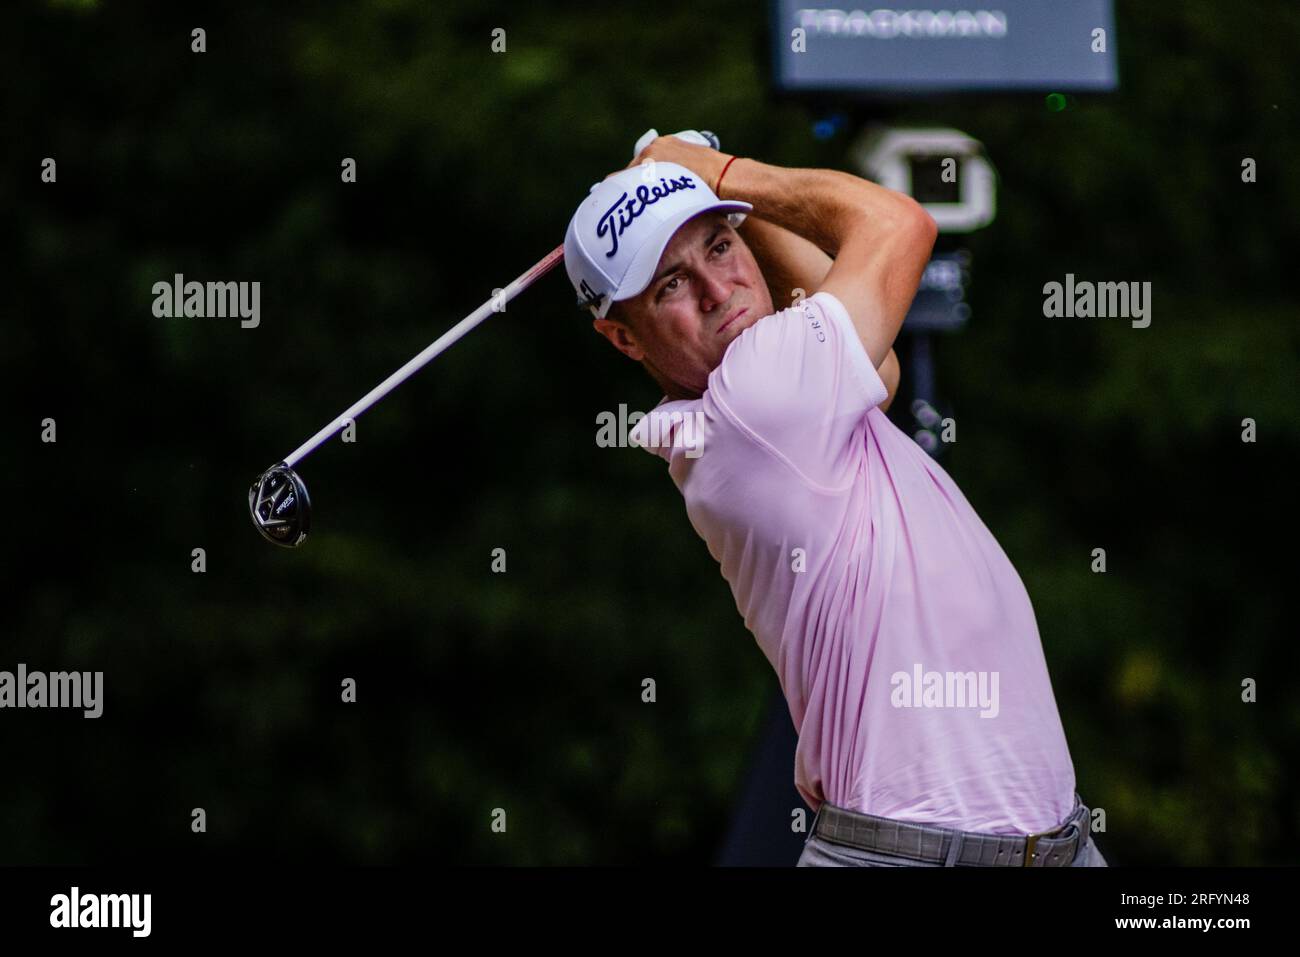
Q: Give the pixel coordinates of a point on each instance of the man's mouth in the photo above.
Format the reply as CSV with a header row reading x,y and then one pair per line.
x,y
731,320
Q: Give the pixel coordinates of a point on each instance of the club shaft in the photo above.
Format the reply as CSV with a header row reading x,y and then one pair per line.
x,y
443,342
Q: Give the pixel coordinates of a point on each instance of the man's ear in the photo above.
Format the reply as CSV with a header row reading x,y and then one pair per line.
x,y
621,336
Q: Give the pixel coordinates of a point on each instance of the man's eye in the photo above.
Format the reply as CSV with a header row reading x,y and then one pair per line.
x,y
725,242
668,286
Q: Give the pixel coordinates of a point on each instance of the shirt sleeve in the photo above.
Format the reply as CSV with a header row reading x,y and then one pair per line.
x,y
801,384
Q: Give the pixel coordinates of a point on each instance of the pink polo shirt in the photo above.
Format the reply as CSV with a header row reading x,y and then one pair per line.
x,y
902,636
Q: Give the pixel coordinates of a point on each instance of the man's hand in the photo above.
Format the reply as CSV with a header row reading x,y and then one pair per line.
x,y
703,161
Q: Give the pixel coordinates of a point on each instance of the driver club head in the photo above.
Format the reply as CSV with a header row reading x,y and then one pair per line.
x,y
279,506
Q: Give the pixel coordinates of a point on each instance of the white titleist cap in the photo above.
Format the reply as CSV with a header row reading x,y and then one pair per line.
x,y
620,230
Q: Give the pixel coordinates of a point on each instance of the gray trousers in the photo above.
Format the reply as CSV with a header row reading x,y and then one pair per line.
x,y
819,852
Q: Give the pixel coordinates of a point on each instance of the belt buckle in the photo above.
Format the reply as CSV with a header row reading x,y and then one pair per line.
x,y
1031,841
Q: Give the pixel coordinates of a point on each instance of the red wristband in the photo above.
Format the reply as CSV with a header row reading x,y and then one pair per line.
x,y
717,188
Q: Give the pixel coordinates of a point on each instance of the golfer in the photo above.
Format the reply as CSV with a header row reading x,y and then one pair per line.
x,y
902,636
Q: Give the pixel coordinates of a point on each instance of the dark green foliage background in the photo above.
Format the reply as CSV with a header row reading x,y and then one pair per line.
x,y
521,690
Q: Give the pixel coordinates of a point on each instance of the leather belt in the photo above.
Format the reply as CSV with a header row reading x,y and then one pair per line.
x,y
940,845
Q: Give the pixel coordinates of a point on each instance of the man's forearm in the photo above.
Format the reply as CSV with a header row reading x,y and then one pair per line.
x,y
790,264
804,219
819,205
826,207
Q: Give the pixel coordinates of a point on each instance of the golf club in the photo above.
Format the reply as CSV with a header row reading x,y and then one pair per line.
x,y
277,500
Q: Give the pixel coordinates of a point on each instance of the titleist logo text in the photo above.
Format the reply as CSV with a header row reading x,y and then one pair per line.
x,y
646,196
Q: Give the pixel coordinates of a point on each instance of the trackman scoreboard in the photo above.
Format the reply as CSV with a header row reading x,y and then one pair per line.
x,y
1009,45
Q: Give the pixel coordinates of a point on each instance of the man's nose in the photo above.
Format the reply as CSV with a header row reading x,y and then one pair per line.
x,y
716,288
